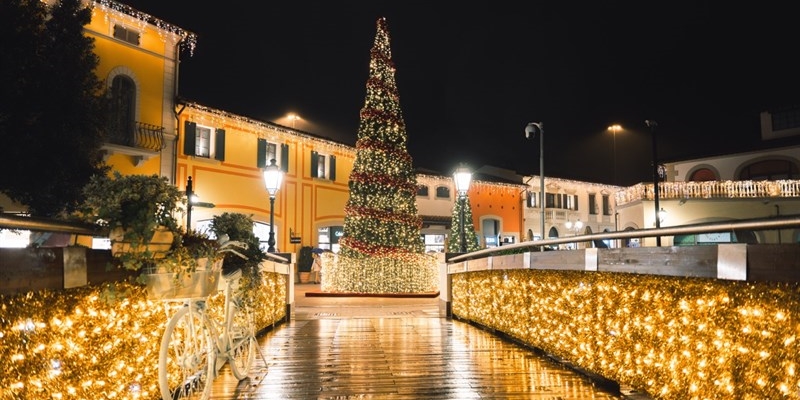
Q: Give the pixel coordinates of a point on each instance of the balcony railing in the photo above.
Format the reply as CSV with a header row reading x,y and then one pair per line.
x,y
710,190
144,136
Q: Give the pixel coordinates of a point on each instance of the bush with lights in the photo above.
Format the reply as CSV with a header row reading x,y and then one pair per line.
x,y
672,337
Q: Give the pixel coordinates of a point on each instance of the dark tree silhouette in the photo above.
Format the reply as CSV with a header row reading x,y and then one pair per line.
x,y
51,110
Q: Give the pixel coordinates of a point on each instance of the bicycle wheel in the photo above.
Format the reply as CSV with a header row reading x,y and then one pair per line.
x,y
186,359
241,332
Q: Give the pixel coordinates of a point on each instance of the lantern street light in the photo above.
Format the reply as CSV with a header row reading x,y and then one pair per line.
x,y
652,125
462,178
189,201
272,180
614,129
530,132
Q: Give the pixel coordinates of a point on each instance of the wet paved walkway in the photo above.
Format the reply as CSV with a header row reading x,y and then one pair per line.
x,y
378,348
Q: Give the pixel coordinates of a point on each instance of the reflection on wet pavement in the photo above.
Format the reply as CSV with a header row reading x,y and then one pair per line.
x,y
336,354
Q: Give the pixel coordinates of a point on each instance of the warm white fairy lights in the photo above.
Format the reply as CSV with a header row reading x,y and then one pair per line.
x,y
97,342
395,273
142,20
675,338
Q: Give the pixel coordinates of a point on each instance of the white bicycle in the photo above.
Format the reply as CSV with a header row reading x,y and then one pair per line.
x,y
195,345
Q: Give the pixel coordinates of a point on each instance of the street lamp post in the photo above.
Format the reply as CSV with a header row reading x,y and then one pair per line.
x,y
614,129
530,132
189,195
652,125
462,178
272,180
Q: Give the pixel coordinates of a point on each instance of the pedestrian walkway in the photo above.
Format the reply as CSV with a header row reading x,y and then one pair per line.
x,y
381,348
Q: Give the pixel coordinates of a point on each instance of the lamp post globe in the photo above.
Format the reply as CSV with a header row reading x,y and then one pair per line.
x,y
273,176
462,177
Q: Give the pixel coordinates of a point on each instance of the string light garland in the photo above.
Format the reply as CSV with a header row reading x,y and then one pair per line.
x,y
109,7
98,342
675,338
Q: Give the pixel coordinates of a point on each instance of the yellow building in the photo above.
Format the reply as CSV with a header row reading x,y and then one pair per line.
x,y
225,155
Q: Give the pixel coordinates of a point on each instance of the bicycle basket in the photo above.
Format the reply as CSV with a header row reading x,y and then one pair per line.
x,y
167,286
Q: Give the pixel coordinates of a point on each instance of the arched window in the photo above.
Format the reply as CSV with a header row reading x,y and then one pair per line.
x,y
703,175
769,170
122,110
442,192
422,191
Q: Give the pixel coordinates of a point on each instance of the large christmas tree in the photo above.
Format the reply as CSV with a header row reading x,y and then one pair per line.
x,y
381,250
381,214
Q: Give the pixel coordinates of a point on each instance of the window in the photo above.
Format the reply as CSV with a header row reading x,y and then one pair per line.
x,y
592,204
122,110
267,151
769,170
433,243
606,205
703,175
323,166
202,146
442,192
203,141
328,237
422,191
532,199
550,200
126,35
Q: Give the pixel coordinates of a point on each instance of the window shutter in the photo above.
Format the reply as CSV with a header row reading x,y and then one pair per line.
x,y
576,202
314,161
189,138
261,154
285,157
332,171
219,143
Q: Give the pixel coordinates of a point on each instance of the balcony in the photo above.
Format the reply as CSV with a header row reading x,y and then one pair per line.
x,y
144,142
710,190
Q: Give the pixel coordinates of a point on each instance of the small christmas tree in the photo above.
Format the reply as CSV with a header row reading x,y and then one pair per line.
x,y
470,238
381,213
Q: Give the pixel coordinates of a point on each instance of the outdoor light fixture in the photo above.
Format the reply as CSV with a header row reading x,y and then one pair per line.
x,y
189,200
272,180
531,130
574,226
652,125
462,178
192,201
614,129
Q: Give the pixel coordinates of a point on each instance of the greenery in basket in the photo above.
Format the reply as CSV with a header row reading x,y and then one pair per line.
x,y
239,228
192,248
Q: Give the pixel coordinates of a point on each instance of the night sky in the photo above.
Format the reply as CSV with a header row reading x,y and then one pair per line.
x,y
470,78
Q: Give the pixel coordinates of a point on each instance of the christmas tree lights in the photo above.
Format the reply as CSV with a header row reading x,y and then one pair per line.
x,y
381,220
471,239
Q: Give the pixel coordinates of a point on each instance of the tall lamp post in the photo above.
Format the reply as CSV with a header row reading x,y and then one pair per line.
x,y
189,200
652,125
614,129
530,132
272,180
462,178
